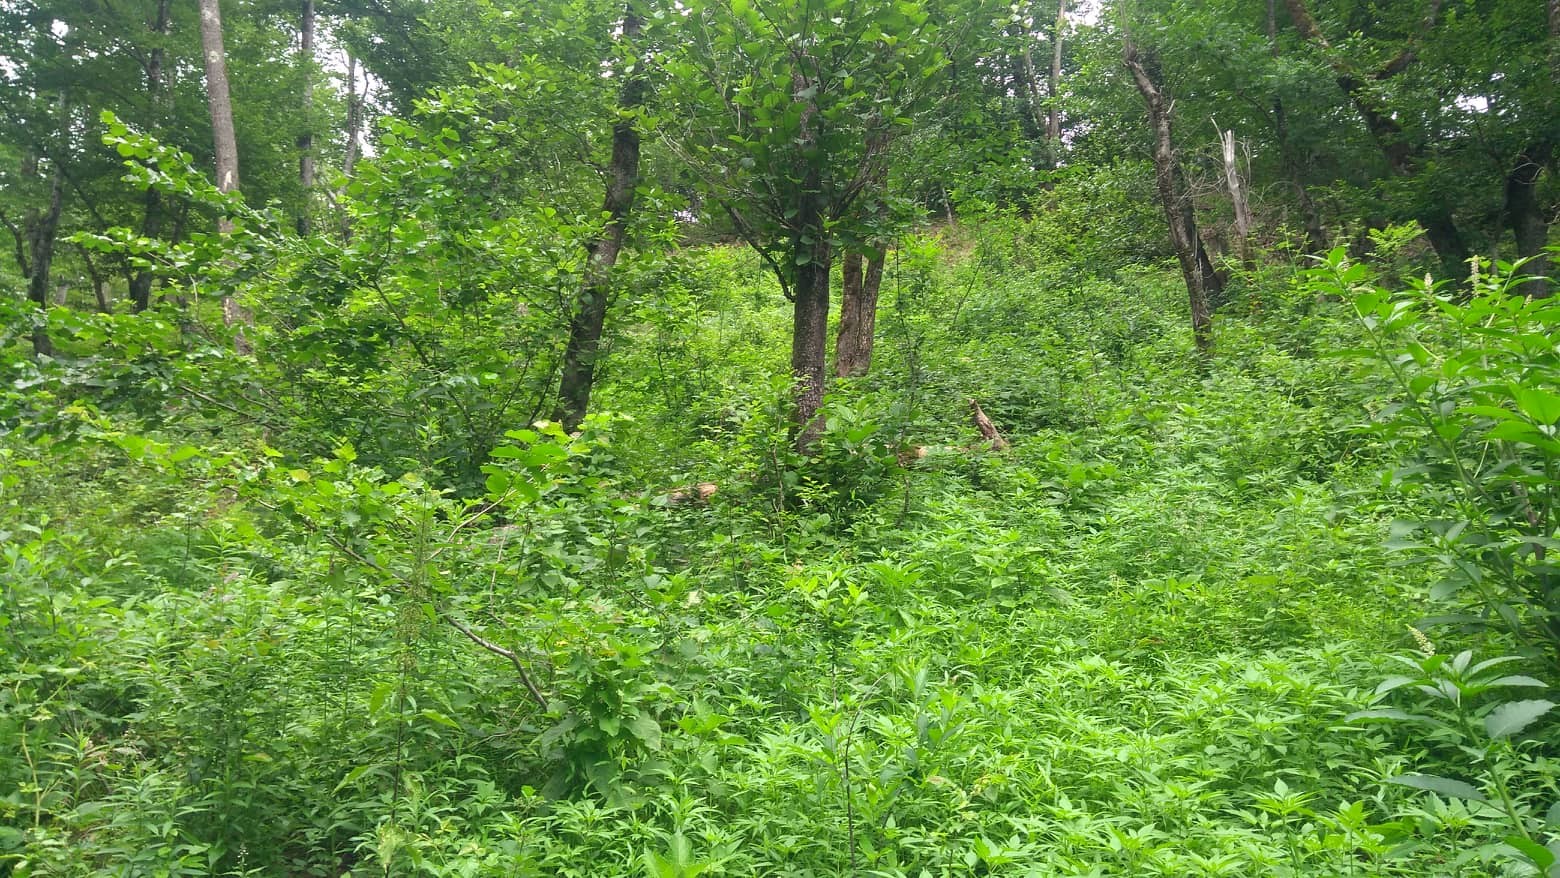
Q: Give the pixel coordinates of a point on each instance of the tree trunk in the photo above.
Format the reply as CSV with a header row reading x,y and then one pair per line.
x,y
1053,128
1447,242
1196,268
1027,86
349,156
42,231
306,139
219,100
1528,222
354,118
590,311
151,221
809,331
809,263
220,103
858,314
1402,157
1237,187
1310,217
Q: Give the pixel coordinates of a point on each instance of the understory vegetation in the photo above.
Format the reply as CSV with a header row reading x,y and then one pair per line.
x,y
1136,642
795,438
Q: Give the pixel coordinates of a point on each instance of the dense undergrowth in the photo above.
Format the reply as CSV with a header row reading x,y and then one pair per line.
x,y
1135,643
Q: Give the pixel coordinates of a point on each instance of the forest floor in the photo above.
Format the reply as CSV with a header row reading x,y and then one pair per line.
x,y
1126,646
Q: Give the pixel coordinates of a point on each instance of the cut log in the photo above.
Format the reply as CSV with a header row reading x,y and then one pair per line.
x,y
988,430
691,495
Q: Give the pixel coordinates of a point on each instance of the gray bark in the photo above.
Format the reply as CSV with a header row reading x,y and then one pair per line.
x,y
218,98
1202,284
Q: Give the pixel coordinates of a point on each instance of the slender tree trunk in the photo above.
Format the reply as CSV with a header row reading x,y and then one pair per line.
x,y
858,313
220,103
590,311
1310,217
851,264
349,157
100,293
218,99
306,139
1196,268
42,232
1053,128
1026,86
151,221
354,118
1238,200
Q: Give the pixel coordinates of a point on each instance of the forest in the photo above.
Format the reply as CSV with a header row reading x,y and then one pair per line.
x,y
881,438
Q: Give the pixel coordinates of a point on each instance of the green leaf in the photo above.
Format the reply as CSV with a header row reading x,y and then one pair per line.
x,y
441,719
1540,405
1381,713
1444,786
645,728
1535,853
377,698
497,483
1514,716
1517,680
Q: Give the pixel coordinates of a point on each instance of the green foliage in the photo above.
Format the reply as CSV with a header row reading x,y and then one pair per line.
x,y
1457,717
1476,419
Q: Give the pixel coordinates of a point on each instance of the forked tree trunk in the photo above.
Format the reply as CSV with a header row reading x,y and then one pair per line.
x,y
1196,269
858,313
590,310
99,282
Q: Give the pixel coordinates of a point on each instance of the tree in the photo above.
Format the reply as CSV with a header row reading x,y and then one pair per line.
x,y
306,21
859,287
151,221
622,177
789,111
219,101
1202,282
225,142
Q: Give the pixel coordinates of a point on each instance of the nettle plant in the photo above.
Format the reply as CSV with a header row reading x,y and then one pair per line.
x,y
1475,709
1476,417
